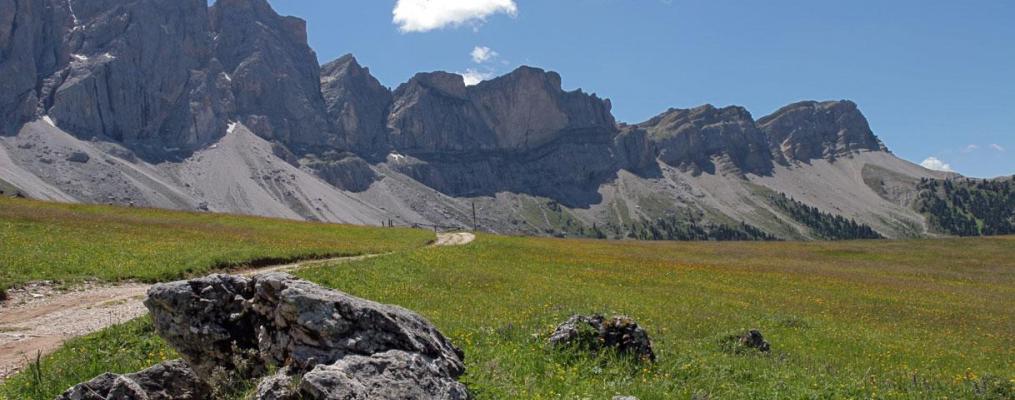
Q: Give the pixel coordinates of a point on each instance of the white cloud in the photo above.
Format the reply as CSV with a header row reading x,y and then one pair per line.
x,y
971,148
936,165
482,54
427,15
997,147
474,77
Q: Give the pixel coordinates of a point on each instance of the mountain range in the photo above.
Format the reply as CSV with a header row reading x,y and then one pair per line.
x,y
225,108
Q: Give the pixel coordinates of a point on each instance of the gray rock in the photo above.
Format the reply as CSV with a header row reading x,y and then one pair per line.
x,y
141,73
637,151
624,398
280,151
393,375
171,380
811,130
748,340
78,157
523,110
595,333
432,113
277,319
31,46
694,138
357,105
275,76
279,386
344,171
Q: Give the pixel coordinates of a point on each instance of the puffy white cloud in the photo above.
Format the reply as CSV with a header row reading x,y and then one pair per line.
x,y
474,77
936,165
427,15
997,147
482,54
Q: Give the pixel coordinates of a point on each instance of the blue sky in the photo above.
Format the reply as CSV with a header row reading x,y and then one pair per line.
x,y
935,78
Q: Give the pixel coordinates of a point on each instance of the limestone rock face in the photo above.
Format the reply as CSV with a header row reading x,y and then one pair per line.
x,y
140,73
636,148
274,74
357,105
32,45
432,113
695,138
171,380
811,130
523,110
527,108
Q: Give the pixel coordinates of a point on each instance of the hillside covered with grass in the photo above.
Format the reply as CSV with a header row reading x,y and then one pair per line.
x,y
859,319
64,242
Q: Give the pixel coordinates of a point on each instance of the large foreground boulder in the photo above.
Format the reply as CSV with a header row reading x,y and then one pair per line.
x,y
596,333
226,321
171,380
325,345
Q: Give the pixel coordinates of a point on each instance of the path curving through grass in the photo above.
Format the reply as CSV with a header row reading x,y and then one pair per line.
x,y
32,324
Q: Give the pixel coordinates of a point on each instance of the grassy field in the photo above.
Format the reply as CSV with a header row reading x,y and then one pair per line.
x,y
925,319
928,319
50,241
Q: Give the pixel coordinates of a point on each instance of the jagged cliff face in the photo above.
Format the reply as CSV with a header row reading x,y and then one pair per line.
x,y
141,73
357,105
433,113
161,75
518,133
520,111
137,72
31,46
274,74
811,130
698,137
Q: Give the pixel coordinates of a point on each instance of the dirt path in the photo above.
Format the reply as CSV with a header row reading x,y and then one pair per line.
x,y
455,239
38,319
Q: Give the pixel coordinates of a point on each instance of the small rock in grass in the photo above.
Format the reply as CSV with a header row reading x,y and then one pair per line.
x,y
748,340
624,398
595,332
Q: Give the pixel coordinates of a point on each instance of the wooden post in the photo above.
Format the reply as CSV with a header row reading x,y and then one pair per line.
x,y
475,224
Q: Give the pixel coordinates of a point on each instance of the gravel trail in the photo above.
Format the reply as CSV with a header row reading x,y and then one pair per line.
x,y
38,319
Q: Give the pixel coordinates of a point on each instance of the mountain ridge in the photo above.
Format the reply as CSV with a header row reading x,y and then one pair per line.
x,y
236,84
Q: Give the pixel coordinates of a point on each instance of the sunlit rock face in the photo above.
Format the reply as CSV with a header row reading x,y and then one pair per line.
x,y
811,130
696,138
274,74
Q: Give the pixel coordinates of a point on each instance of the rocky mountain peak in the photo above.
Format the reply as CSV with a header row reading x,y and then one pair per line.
x,y
445,83
524,109
812,130
274,74
357,104
694,138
